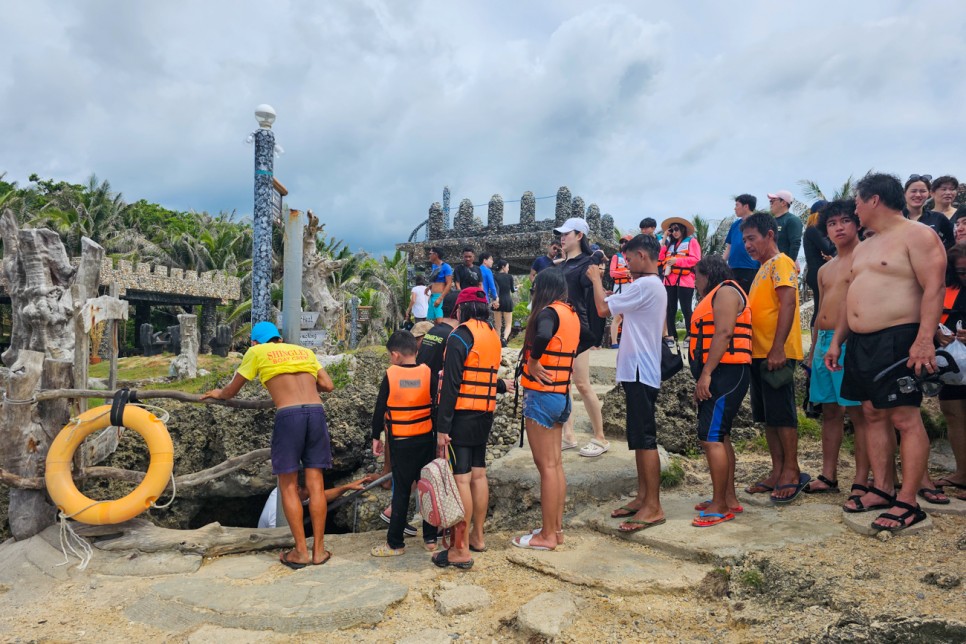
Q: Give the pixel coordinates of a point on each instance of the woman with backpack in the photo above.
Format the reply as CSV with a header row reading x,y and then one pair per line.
x,y
549,348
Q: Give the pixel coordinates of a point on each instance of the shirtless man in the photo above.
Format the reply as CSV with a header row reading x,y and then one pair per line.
x,y
441,281
294,378
840,224
891,314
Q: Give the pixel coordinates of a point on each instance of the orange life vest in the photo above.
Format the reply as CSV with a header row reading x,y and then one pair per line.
x,y
409,407
702,330
478,389
558,358
619,270
949,300
681,249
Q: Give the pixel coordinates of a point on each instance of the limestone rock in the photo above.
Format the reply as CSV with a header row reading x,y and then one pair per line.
x,y
892,630
460,600
547,615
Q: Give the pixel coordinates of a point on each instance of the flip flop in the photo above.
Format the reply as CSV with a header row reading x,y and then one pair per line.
x,y
639,525
803,480
441,559
701,507
328,555
924,491
475,549
759,488
594,448
702,520
294,565
948,483
833,486
623,511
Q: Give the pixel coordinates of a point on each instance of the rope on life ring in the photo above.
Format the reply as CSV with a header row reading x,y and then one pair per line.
x,y
72,503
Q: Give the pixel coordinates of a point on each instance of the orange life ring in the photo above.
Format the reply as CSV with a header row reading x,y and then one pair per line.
x,y
60,484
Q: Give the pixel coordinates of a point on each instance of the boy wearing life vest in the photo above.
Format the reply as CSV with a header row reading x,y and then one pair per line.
x,y
467,398
294,378
405,410
720,356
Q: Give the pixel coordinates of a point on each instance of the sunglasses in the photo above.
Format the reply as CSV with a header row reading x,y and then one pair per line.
x,y
675,229
920,177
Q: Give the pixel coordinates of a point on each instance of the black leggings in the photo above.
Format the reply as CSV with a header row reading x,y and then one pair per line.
x,y
408,458
676,294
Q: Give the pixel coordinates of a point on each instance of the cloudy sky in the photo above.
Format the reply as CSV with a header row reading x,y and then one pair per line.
x,y
645,108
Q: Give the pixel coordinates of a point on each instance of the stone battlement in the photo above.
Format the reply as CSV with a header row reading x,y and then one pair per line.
x,y
519,243
156,278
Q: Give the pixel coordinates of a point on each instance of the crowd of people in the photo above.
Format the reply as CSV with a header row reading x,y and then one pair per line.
x,y
887,279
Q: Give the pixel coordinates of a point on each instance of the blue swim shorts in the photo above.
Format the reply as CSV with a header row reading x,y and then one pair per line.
x,y
826,386
544,408
435,310
300,439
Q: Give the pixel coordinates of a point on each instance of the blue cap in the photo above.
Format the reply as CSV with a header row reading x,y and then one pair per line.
x,y
265,332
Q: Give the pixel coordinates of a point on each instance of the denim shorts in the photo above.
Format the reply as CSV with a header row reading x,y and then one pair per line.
x,y
544,408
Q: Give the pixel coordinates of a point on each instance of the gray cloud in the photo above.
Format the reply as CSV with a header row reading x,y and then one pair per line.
x,y
654,110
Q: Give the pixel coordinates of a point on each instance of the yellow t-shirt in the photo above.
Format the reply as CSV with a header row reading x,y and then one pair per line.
x,y
269,360
763,300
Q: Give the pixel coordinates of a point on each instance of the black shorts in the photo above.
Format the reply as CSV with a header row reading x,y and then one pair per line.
x,y
464,458
871,353
729,384
774,407
641,426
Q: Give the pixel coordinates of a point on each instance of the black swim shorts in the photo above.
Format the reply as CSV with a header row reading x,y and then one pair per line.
x,y
871,353
774,406
641,426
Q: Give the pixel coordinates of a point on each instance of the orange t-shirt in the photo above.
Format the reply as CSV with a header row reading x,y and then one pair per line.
x,y
779,271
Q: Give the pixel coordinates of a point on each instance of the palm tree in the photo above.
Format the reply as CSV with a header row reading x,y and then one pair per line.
x,y
813,192
92,211
711,243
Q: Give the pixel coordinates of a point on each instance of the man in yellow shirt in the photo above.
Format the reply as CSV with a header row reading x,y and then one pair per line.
x,y
776,347
294,378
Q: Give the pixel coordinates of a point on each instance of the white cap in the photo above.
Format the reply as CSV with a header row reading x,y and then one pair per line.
x,y
784,195
574,224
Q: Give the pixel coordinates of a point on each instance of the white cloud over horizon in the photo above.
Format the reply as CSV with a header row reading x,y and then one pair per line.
x,y
646,109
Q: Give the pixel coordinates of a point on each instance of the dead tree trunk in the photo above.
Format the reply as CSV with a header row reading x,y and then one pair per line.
x,y
316,270
23,448
46,294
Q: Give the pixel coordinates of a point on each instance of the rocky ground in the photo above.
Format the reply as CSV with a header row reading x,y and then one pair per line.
x,y
794,573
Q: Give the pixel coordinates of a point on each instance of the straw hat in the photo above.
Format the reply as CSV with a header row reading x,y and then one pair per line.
x,y
688,226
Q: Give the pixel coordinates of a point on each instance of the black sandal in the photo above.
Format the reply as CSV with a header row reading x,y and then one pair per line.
x,y
861,488
868,508
441,559
833,486
910,511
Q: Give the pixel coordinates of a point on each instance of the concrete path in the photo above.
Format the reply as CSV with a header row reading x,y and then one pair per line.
x,y
624,568
756,529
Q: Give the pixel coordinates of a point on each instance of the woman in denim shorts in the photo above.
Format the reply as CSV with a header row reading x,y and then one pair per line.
x,y
549,349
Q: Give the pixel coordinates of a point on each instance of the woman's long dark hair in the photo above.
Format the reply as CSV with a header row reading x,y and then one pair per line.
x,y
956,252
585,245
549,286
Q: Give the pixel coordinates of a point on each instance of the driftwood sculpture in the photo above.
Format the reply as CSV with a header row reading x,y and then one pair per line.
x,y
316,270
46,293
